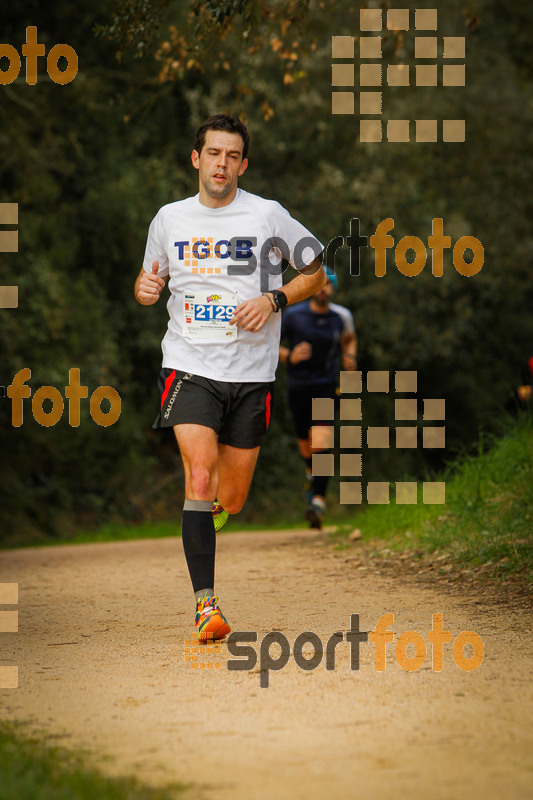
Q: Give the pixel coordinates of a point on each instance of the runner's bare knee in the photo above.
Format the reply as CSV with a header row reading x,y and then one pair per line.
x,y
202,483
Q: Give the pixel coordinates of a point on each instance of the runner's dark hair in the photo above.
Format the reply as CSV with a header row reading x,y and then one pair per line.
x,y
222,122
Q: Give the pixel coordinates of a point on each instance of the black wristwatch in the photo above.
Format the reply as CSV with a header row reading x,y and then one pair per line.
x,y
280,299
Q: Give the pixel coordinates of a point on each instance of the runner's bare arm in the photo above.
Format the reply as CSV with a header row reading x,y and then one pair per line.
x,y
349,351
252,314
284,354
309,280
149,286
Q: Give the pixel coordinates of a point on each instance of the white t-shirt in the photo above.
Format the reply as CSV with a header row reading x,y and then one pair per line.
x,y
197,247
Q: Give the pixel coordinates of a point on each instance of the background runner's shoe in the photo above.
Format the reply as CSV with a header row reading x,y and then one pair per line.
x,y
314,513
220,517
210,621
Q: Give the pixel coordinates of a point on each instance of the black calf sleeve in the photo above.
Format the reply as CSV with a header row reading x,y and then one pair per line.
x,y
199,543
319,485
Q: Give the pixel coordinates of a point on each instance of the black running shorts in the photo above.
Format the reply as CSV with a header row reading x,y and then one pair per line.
x,y
238,412
301,405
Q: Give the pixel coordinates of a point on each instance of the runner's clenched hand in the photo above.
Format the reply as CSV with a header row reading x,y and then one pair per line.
x,y
301,352
150,286
252,314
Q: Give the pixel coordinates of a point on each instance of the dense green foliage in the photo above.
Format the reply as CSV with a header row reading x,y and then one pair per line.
x,y
91,162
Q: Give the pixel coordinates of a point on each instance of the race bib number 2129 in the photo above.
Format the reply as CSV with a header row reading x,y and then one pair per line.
x,y
206,315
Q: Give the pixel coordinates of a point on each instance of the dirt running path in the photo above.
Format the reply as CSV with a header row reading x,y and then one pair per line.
x,y
100,651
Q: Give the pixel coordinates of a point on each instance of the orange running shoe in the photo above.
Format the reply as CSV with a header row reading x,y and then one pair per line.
x,y
210,621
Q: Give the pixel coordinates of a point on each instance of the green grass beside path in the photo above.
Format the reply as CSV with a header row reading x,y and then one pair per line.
x,y
487,518
32,770
488,515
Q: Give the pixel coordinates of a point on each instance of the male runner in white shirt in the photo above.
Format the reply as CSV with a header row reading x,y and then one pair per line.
x,y
221,250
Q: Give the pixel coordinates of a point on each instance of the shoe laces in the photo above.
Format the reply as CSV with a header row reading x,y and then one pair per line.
x,y
207,605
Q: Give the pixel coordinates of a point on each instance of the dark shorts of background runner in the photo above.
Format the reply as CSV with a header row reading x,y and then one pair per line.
x,y
301,404
238,412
